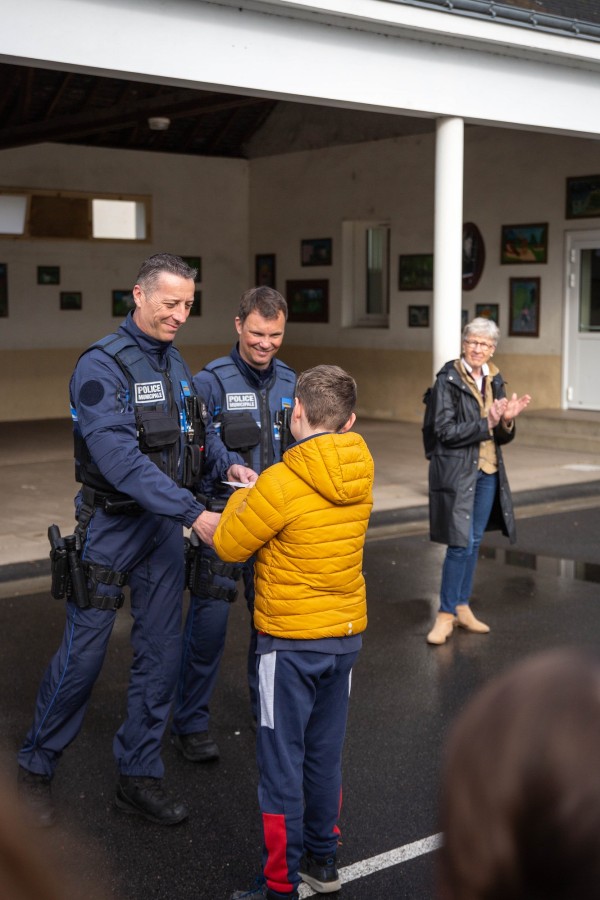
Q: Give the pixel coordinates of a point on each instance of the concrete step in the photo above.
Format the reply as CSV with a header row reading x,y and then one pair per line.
x,y
562,429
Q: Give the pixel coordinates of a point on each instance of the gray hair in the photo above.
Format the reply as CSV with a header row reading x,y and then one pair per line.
x,y
482,328
153,267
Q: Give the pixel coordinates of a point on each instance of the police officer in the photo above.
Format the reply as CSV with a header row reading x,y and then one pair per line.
x,y
249,395
139,437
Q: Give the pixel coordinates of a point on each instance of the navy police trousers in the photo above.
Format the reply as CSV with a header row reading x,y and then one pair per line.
x,y
203,645
150,548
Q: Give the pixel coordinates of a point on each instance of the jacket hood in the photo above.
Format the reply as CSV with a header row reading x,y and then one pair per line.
x,y
337,466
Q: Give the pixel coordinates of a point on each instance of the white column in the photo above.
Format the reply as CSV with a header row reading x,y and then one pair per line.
x,y
447,243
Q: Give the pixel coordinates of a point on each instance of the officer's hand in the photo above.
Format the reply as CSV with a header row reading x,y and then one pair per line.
x,y
243,474
205,526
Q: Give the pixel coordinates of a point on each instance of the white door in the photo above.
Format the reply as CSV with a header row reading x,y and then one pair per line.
x,y
582,349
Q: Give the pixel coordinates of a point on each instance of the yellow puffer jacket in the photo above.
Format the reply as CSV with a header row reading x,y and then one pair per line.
x,y
306,519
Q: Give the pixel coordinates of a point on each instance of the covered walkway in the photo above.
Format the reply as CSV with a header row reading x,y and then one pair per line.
x,y
37,482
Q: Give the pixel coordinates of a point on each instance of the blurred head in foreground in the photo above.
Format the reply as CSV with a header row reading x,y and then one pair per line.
x,y
520,805
36,864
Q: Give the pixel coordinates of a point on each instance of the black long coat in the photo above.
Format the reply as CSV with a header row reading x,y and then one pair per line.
x,y
459,429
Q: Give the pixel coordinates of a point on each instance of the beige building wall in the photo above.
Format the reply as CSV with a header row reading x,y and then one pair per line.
x,y
226,211
390,382
511,177
199,208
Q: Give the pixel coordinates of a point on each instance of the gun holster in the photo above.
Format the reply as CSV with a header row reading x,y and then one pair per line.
x,y
78,580
212,504
201,567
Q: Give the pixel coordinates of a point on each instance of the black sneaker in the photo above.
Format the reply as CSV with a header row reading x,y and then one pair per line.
x,y
36,794
145,797
197,747
320,872
261,892
258,892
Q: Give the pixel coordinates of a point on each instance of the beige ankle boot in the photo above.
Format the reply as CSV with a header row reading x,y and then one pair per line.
x,y
466,619
442,628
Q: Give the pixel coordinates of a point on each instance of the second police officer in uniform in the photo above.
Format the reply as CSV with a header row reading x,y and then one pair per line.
x,y
249,395
139,435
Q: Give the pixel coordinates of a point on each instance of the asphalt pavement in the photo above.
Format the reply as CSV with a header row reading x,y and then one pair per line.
x,y
542,592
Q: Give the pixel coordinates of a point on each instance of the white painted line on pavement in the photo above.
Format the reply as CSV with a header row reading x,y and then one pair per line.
x,y
383,861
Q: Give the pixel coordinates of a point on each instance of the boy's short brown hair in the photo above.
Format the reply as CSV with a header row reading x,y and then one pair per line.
x,y
328,395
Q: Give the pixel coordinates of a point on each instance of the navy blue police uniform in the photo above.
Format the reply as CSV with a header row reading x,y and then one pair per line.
x,y
138,439
250,411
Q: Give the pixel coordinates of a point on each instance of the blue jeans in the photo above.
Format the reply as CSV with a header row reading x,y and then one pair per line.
x,y
459,565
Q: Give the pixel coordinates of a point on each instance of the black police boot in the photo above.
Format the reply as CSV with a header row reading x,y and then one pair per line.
x,y
36,795
197,747
144,796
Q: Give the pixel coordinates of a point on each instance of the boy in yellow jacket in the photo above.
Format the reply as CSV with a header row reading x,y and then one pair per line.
x,y
305,519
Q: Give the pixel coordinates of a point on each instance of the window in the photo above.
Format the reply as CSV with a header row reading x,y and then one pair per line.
x,y
125,219
13,209
366,274
589,295
62,214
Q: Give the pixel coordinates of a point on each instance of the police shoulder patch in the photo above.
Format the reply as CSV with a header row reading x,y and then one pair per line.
x,y
91,393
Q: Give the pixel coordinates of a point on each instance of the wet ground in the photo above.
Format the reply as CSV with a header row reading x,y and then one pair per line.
x,y
541,593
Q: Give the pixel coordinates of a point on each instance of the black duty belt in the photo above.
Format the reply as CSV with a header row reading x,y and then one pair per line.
x,y
112,504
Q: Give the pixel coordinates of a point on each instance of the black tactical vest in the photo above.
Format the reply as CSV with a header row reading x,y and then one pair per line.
x,y
170,420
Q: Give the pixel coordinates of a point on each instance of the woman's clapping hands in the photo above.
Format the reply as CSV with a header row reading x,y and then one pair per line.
x,y
506,409
514,406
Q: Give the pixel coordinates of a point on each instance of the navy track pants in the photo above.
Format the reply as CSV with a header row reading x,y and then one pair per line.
x,y
303,712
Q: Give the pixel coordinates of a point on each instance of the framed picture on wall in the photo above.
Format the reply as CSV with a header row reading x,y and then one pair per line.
x,y
488,311
524,307
418,317
473,256
3,291
264,270
524,244
48,274
70,299
308,300
122,303
316,252
194,262
583,197
415,272
196,309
